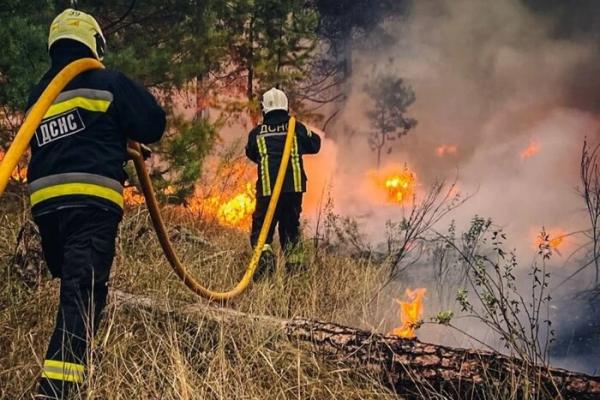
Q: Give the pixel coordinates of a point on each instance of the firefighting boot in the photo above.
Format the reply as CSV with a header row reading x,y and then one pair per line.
x,y
266,263
294,260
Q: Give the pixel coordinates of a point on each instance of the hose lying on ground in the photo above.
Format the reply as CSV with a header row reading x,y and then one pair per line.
x,y
33,120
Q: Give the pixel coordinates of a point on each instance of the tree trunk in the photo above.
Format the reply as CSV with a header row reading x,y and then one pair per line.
x,y
250,63
413,369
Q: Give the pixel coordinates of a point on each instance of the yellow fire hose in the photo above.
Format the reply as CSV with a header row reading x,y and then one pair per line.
x,y
36,114
33,120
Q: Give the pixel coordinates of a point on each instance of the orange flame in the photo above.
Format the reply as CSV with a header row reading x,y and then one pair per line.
x,y
531,150
446,150
19,174
554,239
237,210
229,200
132,197
410,313
400,186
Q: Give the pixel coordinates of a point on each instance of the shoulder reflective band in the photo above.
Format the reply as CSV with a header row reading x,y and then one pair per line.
x,y
264,166
296,167
76,184
63,371
85,99
78,102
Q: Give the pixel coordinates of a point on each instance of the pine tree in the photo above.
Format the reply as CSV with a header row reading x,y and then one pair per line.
x,y
391,98
190,48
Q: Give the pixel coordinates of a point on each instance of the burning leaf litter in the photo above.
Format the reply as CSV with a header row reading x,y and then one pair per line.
x,y
411,313
19,174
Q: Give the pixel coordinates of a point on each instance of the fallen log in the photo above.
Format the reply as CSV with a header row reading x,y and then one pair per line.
x,y
412,368
423,369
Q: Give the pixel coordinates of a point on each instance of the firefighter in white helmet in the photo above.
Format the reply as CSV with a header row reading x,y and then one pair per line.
x,y
76,187
265,147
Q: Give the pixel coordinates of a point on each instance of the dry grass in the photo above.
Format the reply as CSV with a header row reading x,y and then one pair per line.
x,y
152,355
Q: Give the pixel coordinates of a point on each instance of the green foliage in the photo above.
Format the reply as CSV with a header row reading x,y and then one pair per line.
x,y
163,43
444,317
271,44
495,293
241,47
185,154
23,34
391,98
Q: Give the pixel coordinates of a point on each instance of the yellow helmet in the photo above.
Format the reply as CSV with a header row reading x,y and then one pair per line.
x,y
79,26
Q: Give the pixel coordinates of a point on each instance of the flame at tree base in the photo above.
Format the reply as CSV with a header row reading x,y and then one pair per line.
x,y
410,313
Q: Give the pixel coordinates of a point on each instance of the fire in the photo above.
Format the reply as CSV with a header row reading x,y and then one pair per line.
x,y
236,211
410,313
531,150
226,196
446,149
132,197
400,185
556,242
232,211
19,174
553,239
229,210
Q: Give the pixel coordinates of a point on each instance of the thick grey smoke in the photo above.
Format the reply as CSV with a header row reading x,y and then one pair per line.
x,y
491,79
505,98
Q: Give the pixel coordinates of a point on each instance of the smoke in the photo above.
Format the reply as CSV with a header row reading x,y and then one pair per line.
x,y
505,97
491,78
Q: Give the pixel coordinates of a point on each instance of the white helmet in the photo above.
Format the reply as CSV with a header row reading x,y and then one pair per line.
x,y
274,99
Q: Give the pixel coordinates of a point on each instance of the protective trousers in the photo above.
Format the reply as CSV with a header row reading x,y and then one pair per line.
x,y
286,218
79,246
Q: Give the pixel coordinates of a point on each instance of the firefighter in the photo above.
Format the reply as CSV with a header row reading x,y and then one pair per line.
x,y
76,187
265,148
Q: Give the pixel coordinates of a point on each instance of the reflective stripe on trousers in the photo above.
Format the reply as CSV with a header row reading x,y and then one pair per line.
x,y
63,371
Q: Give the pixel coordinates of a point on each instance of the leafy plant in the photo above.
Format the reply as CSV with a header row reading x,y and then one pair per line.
x,y
493,296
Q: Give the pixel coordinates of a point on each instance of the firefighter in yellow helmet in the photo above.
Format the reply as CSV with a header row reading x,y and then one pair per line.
x,y
76,187
265,147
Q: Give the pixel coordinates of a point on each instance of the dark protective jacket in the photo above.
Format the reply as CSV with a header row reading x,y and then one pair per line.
x,y
265,147
78,151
